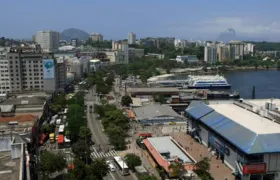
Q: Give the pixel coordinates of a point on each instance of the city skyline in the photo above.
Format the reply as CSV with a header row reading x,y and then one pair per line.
x,y
201,19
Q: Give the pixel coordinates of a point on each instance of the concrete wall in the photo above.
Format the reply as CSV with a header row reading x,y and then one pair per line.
x,y
272,161
204,136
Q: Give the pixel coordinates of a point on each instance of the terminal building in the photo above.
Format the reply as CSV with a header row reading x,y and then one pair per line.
x,y
157,114
243,134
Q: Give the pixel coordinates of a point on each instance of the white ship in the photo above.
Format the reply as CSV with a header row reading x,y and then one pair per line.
x,y
208,82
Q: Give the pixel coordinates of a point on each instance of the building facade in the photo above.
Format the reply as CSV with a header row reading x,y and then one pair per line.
x,y
48,40
131,38
236,50
96,37
238,136
25,71
210,54
223,53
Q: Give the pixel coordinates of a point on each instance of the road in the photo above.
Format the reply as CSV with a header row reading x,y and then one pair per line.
x,y
101,148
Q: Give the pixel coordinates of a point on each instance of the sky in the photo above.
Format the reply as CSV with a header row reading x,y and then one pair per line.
x,y
188,19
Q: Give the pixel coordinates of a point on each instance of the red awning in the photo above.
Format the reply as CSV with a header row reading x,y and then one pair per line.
x,y
60,138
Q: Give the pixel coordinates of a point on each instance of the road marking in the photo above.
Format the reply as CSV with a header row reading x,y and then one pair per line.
x,y
112,176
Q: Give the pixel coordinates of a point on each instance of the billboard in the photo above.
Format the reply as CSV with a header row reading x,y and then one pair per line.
x,y
48,68
254,168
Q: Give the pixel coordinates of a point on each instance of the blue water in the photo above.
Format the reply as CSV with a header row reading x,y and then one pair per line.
x,y
267,83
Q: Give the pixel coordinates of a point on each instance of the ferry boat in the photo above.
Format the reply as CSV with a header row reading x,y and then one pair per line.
x,y
207,82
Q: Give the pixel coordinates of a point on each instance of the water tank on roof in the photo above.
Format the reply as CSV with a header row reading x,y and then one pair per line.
x,y
270,106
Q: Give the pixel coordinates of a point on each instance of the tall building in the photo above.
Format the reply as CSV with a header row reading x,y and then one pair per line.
x,y
131,38
74,42
48,40
29,71
210,54
180,43
96,37
223,53
249,49
236,49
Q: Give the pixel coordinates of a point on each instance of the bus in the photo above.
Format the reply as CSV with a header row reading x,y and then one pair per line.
x,y
121,165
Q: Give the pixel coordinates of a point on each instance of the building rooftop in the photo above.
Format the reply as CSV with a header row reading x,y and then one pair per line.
x,y
244,129
19,118
9,168
165,145
261,102
154,110
6,108
154,89
247,119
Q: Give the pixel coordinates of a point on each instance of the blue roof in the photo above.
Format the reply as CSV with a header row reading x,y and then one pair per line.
x,y
199,111
246,140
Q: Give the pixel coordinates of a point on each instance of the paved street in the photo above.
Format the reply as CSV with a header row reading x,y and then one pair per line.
x,y
101,148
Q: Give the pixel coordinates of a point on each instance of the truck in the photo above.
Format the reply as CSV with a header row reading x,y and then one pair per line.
x,y
52,140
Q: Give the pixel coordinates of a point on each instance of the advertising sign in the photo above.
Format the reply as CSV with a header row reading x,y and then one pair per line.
x,y
254,168
219,145
48,68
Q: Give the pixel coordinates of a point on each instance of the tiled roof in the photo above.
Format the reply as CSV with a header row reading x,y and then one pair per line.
x,y
19,118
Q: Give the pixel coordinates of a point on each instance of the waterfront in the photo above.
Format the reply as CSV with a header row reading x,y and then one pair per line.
x,y
266,82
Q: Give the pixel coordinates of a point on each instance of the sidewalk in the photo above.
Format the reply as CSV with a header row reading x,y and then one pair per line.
x,y
218,170
133,148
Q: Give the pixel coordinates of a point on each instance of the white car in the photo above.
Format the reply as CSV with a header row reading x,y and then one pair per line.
x,y
111,166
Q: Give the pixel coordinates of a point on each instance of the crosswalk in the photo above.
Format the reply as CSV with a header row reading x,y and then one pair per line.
x,y
96,154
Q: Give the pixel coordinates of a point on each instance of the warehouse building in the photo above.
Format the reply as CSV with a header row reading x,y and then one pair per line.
x,y
241,135
157,114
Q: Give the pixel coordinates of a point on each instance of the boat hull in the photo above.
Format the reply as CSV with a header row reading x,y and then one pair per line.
x,y
210,87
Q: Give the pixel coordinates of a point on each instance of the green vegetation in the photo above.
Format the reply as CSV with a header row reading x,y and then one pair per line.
x,y
203,168
99,44
267,46
176,169
48,128
126,100
50,163
115,124
58,103
132,161
94,171
147,177
145,68
159,98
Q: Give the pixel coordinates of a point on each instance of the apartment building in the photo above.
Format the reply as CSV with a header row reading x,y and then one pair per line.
x,y
48,40
96,37
210,54
131,38
30,71
236,49
223,53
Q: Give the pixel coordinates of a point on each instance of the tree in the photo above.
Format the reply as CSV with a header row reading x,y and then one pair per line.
x,y
98,168
132,161
85,133
50,162
159,98
48,128
99,110
81,150
80,170
203,167
126,100
176,169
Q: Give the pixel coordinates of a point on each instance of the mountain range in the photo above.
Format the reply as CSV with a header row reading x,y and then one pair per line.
x,y
70,33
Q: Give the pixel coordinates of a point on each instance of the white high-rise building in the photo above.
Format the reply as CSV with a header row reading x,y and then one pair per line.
x,y
131,38
180,43
48,40
210,54
249,49
236,49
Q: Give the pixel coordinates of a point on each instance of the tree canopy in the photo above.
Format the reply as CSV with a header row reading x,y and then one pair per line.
x,y
126,100
50,162
132,160
203,167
